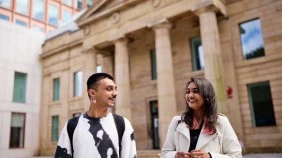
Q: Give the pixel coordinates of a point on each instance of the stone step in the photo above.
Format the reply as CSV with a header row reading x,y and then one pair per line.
x,y
148,153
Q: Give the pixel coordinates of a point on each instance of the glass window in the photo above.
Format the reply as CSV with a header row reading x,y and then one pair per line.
x,y
19,87
78,83
22,6
89,3
4,17
19,22
56,89
55,128
53,14
68,2
79,4
153,64
198,62
99,68
17,130
37,28
5,3
251,39
261,104
155,124
38,10
66,16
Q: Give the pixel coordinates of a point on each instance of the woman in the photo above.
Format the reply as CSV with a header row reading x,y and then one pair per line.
x,y
201,132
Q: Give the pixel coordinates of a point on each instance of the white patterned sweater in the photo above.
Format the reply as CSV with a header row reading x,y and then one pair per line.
x,y
97,138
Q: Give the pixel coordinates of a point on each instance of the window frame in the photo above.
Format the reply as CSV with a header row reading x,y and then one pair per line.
x,y
195,54
55,137
48,14
33,11
56,97
251,102
244,56
24,126
154,69
4,17
75,92
16,92
22,13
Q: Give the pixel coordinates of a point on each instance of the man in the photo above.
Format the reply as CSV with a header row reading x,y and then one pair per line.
x,y
98,133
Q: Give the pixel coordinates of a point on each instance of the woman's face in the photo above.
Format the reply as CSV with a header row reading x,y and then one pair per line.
x,y
193,97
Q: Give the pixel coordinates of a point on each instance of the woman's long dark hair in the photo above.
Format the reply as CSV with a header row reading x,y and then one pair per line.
x,y
207,92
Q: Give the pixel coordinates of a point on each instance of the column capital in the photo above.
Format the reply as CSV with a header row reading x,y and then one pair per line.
x,y
122,39
163,23
215,6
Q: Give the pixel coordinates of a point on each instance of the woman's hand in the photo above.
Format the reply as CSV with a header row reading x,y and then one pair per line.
x,y
199,154
182,155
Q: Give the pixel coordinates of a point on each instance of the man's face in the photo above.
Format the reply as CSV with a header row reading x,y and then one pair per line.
x,y
106,93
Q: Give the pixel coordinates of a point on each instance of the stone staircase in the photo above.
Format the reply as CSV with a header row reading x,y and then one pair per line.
x,y
148,153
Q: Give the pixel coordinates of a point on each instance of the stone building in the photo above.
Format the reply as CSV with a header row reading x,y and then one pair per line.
x,y
152,48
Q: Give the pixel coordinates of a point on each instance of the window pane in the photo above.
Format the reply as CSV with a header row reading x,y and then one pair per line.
x,y
66,16
56,89
78,4
78,83
19,87
67,2
55,128
17,130
153,64
251,39
5,3
53,14
37,28
99,68
4,17
89,3
155,124
198,61
21,23
22,6
261,104
38,10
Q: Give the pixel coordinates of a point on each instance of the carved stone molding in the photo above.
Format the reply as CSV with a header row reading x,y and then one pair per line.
x,y
87,30
115,18
156,3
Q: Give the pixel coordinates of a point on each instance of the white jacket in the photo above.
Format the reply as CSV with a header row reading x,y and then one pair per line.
x,y
223,144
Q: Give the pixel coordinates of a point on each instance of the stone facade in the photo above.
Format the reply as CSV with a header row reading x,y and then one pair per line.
x,y
119,35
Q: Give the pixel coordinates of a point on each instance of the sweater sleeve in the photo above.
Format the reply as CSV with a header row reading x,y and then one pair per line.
x,y
128,145
169,147
64,147
230,144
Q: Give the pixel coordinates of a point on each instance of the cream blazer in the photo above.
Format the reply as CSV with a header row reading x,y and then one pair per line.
x,y
223,144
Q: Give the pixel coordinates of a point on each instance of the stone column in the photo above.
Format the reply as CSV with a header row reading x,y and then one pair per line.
x,y
166,87
122,79
89,69
213,58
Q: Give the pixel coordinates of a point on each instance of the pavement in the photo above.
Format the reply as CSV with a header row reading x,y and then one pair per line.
x,y
269,155
261,155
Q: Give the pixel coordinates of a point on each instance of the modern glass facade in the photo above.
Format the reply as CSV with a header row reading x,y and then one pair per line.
x,y
45,15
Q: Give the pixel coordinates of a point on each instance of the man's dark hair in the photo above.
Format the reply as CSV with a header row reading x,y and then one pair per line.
x,y
94,79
